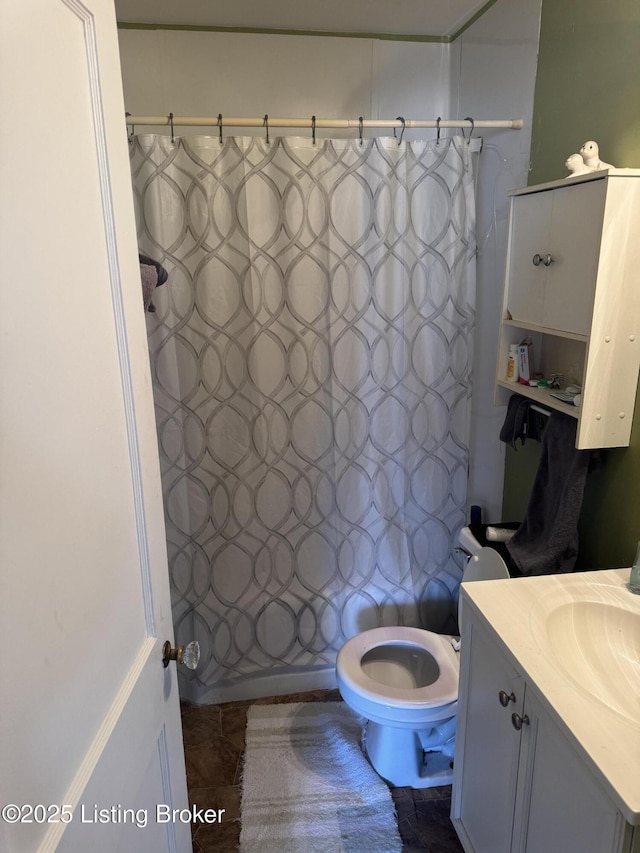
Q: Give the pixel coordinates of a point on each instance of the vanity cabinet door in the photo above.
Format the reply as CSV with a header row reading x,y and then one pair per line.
x,y
559,805
487,746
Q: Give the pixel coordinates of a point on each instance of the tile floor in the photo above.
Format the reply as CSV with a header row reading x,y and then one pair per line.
x,y
214,745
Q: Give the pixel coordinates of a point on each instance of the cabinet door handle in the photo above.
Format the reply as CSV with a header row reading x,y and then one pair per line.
x,y
518,722
538,259
504,698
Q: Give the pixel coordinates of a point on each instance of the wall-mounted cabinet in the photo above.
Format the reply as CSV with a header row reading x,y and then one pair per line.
x,y
572,285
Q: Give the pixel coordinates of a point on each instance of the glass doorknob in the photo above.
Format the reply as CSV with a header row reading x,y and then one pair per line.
x,y
188,655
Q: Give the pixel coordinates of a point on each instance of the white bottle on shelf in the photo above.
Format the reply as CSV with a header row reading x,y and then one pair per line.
x,y
512,364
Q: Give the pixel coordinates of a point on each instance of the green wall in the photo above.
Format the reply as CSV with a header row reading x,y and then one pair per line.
x,y
588,87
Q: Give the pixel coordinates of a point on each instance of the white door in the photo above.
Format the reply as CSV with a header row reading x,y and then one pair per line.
x,y
89,718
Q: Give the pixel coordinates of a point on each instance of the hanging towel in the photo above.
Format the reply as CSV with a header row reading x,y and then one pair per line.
x,y
149,278
515,422
152,275
547,540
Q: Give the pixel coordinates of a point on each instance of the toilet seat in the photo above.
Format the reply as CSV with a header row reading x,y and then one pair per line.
x,y
441,692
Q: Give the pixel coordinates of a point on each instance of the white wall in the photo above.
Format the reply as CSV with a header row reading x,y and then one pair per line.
x,y
489,72
493,76
206,73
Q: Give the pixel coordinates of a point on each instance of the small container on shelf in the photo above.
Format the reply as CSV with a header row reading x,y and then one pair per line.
x,y
512,364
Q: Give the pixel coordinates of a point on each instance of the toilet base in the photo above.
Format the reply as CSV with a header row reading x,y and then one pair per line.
x,y
408,758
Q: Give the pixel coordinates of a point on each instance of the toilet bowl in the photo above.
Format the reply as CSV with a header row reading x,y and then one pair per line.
x,y
404,682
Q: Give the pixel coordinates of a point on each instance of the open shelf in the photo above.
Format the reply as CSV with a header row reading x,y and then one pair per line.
x,y
531,327
541,396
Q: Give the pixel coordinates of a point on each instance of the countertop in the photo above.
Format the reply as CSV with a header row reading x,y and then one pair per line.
x,y
607,738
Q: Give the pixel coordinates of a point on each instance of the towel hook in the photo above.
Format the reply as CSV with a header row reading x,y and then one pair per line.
x,y
266,124
171,126
438,120
404,124
360,127
220,127
313,129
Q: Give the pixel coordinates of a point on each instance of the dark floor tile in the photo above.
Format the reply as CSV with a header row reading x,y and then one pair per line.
x,y
434,826
201,724
227,798
233,725
404,804
213,764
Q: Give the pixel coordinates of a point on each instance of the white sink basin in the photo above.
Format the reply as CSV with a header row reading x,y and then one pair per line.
x,y
595,640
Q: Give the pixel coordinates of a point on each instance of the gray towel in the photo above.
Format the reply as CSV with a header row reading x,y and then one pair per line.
x,y
547,540
149,277
153,274
515,422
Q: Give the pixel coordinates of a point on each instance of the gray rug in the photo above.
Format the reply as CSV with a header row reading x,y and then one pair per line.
x,y
306,786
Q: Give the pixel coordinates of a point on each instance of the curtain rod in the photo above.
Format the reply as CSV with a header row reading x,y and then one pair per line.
x,y
346,123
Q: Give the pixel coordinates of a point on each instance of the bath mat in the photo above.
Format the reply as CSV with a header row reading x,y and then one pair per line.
x,y
307,787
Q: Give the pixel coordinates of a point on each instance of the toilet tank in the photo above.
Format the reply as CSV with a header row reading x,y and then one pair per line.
x,y
485,565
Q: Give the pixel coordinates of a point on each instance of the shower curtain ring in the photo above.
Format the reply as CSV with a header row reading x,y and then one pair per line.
x,y
266,124
473,124
360,126
220,127
404,124
133,130
313,129
171,126
438,120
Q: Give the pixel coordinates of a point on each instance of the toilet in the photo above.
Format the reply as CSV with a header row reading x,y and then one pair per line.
x,y
404,682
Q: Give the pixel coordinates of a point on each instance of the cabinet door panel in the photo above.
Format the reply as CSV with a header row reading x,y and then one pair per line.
x,y
491,747
560,806
574,245
530,235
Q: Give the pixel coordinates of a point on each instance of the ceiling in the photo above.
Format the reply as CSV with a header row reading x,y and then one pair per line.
x,y
415,18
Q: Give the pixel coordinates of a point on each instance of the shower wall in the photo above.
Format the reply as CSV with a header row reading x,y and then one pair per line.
x,y
493,74
206,73
488,71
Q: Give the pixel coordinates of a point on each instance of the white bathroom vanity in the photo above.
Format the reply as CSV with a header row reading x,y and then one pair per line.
x,y
548,744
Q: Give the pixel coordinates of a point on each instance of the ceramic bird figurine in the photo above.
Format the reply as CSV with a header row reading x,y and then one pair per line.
x,y
576,165
591,156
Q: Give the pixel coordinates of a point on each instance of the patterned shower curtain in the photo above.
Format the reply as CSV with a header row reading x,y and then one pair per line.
x,y
311,357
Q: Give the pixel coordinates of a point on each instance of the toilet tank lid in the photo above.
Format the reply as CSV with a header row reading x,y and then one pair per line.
x,y
468,541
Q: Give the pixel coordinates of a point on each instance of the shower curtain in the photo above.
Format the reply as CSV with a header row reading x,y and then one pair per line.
x,y
311,358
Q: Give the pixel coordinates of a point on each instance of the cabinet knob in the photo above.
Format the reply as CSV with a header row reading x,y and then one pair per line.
x,y
518,722
547,260
504,698
536,260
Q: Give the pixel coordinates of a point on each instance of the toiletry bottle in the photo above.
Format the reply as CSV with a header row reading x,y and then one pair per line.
x,y
512,363
525,360
634,578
